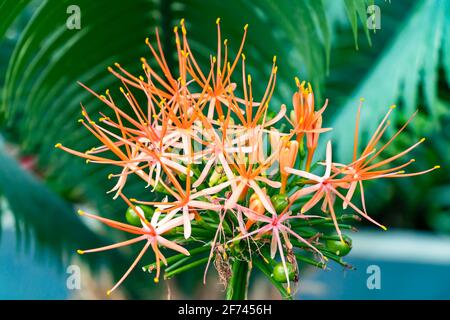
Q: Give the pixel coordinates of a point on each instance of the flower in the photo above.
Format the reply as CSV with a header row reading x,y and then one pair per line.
x,y
186,201
222,88
150,232
287,158
325,188
364,167
278,227
306,120
137,148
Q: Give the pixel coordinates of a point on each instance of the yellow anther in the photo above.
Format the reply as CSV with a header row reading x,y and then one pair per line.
x,y
87,160
217,20
102,97
175,29
183,30
297,81
92,122
275,69
80,212
147,41
361,99
437,167
143,60
274,59
110,176
107,92
384,228
214,59
155,280
133,200
141,78
80,120
80,251
225,42
108,292
422,140
182,21
243,56
117,64
122,90
58,145
393,106
246,27
84,113
249,79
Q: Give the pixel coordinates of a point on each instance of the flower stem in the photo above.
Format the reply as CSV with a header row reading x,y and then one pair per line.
x,y
238,283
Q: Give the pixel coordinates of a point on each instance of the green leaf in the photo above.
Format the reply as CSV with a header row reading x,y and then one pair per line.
x,y
39,212
407,64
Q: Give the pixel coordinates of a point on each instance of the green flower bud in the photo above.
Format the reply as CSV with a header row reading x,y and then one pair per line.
x,y
216,176
280,202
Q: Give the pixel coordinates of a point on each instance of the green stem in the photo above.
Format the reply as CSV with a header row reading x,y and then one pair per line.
x,y
186,267
238,283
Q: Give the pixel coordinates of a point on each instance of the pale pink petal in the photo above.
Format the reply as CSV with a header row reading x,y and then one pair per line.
x,y
328,161
231,202
171,245
187,222
212,190
273,184
304,191
303,174
204,173
265,200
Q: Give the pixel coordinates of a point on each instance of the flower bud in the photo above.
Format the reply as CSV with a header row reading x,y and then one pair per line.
x,y
256,205
288,156
280,202
216,176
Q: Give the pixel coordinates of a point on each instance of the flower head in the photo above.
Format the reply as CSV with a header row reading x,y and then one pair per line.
x,y
151,233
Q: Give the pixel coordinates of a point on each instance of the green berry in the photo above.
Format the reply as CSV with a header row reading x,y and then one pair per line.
x,y
279,273
280,202
338,247
133,219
